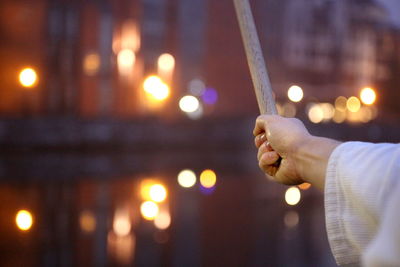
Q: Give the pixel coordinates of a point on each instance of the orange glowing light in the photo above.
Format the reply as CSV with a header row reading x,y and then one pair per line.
x,y
368,96
24,220
208,178
149,210
28,77
304,186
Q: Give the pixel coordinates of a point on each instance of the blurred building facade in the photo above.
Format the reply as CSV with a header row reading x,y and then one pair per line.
x,y
92,58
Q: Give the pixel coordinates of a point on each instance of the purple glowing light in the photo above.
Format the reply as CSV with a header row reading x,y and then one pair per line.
x,y
210,96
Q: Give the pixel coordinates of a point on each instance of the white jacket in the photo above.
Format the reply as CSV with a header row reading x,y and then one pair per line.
x,y
362,204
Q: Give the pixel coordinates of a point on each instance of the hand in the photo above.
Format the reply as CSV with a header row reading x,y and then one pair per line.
x,y
303,157
279,139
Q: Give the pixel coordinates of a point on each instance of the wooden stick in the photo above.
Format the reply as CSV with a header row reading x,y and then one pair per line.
x,y
255,59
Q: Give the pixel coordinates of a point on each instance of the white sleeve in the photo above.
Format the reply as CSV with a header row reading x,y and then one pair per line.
x,y
362,181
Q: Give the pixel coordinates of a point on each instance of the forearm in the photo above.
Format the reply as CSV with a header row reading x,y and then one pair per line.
x,y
312,159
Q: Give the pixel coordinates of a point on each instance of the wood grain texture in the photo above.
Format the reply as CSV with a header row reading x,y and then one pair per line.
x,y
255,58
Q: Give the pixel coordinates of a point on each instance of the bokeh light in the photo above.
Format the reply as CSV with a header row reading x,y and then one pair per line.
x,y
149,210
189,103
210,96
162,220
156,88
291,219
122,224
353,104
91,64
289,110
158,193
187,178
196,87
87,221
28,77
126,59
295,93
208,178
339,116
328,110
292,195
315,113
166,62
341,103
368,96
24,220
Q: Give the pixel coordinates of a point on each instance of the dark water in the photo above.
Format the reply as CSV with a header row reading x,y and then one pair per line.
x,y
86,210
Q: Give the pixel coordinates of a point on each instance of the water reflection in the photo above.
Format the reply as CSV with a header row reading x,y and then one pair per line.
x,y
142,216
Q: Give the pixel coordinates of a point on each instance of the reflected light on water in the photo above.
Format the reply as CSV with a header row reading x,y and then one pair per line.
x,y
24,220
291,219
162,220
122,224
149,210
292,195
87,221
208,178
158,193
28,77
187,178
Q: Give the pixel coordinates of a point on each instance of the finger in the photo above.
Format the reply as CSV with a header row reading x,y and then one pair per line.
x,y
265,147
268,158
260,125
260,139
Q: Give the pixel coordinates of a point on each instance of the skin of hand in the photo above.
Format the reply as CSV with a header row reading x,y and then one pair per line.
x,y
303,157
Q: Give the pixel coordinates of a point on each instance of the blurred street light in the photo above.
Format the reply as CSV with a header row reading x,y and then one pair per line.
x,y
158,193
87,221
340,103
208,178
162,220
189,104
156,88
315,113
166,62
149,210
368,96
126,60
353,104
24,220
28,77
187,178
295,93
122,224
292,196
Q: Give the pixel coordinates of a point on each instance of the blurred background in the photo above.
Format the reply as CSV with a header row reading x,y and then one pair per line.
x,y
126,126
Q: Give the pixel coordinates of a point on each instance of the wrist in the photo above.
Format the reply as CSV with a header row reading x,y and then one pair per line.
x,y
312,158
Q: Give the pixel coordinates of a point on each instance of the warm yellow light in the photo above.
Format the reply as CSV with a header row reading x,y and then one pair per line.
x,y
166,62
28,77
295,93
91,63
340,103
155,87
149,210
122,224
189,104
316,114
292,195
162,220
328,110
208,178
126,58
187,178
87,221
158,193
368,96
304,186
339,116
353,104
24,220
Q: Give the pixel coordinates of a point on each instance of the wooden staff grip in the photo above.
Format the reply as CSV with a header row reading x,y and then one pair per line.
x,y
255,59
